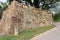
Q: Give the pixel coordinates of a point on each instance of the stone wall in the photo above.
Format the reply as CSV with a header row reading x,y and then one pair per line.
x,y
18,17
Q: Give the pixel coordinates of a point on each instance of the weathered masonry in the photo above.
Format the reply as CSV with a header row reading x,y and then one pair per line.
x,y
18,17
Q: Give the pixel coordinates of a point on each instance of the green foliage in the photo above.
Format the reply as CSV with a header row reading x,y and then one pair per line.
x,y
56,17
3,6
27,34
1,12
42,4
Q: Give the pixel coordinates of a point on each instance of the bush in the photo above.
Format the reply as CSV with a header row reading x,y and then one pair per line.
x,y
0,15
56,17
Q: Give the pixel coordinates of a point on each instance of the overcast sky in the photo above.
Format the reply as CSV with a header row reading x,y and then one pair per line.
x,y
3,0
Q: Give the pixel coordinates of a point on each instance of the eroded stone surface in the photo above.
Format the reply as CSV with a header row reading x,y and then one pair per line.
x,y
18,17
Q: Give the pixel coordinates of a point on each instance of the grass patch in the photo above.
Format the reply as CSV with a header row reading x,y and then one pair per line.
x,y
27,34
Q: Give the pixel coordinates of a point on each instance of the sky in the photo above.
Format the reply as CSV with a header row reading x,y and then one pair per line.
x,y
3,0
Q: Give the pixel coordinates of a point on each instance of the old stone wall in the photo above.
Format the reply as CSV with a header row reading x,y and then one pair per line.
x,y
18,17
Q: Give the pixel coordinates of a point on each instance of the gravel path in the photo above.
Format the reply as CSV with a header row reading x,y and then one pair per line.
x,y
53,34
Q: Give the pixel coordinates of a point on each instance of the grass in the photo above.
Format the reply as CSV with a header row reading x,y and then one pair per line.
x,y
27,34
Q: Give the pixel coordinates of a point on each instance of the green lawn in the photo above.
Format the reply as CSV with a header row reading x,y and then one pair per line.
x,y
27,34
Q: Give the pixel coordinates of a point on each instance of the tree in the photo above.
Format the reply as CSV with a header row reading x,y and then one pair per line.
x,y
43,4
46,4
0,12
3,6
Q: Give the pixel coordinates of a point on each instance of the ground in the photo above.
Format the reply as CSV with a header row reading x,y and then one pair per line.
x,y
52,34
28,34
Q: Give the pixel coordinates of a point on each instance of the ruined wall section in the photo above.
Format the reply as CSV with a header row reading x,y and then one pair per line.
x,y
18,17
